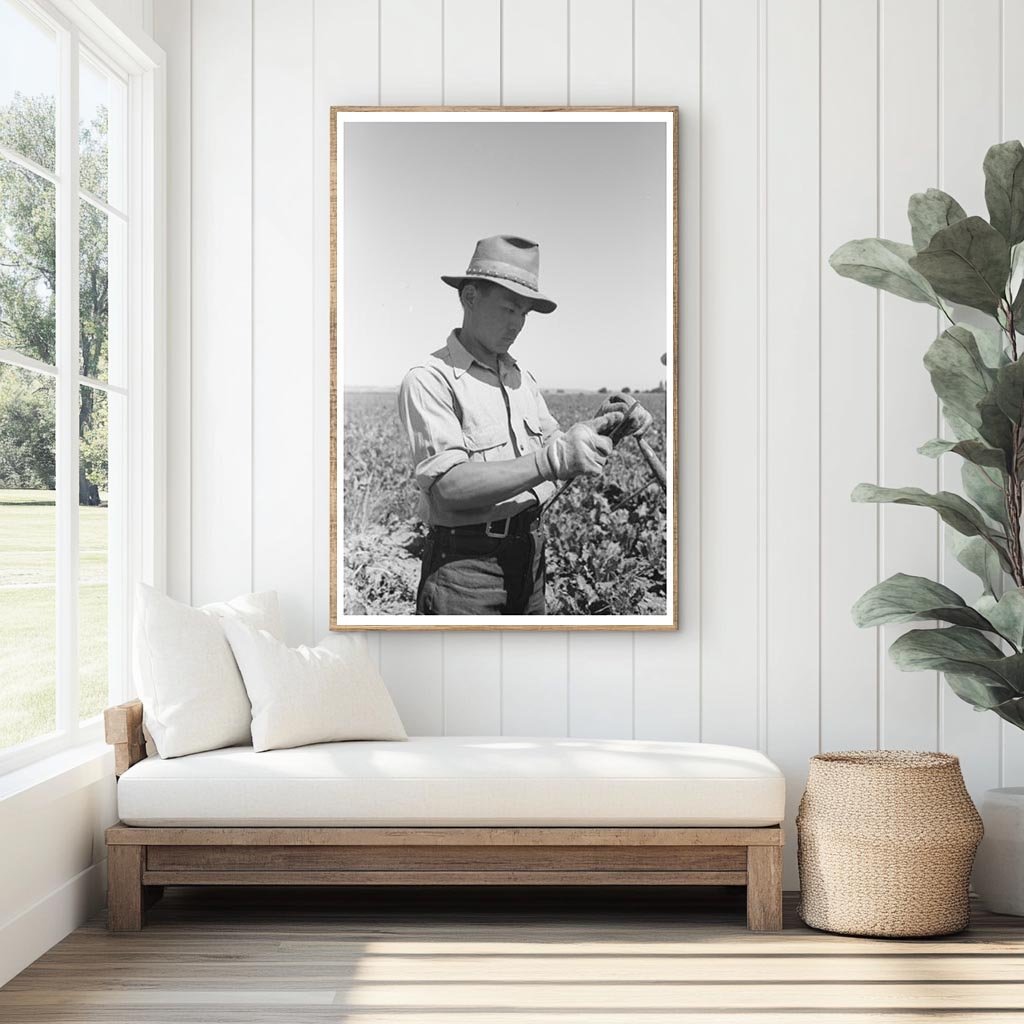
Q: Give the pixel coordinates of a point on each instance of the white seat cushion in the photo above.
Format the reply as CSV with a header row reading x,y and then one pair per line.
x,y
459,780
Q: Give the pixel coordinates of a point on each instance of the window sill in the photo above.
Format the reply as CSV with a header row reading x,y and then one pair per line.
x,y
55,776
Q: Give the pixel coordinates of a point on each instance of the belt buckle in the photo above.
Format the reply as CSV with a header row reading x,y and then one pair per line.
x,y
494,522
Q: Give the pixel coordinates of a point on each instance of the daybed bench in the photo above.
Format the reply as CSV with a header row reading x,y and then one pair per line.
x,y
444,811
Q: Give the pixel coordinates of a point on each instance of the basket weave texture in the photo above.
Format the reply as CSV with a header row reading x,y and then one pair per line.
x,y
885,843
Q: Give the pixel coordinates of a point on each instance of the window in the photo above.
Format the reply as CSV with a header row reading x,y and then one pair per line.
x,y
78,266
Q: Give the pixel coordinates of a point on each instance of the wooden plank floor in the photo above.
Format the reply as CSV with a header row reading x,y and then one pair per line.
x,y
263,956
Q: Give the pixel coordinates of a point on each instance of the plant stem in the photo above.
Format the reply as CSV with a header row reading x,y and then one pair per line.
x,y
1013,483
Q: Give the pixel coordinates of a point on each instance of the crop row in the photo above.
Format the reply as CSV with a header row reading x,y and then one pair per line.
x,y
607,536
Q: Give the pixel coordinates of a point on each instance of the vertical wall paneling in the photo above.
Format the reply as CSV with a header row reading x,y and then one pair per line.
x,y
534,56
601,684
600,52
792,385
534,694
1012,127
909,414
221,370
666,666
283,340
600,667
795,137
849,372
412,664
344,54
968,125
472,74
729,496
472,673
472,52
172,29
411,72
472,684
410,52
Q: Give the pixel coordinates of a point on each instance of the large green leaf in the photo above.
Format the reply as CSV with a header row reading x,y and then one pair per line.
x,y
1016,279
967,263
883,264
1012,710
1015,286
1004,189
996,427
1009,390
973,451
903,598
932,211
983,694
985,487
965,652
990,345
953,509
958,372
962,430
1006,614
979,557
1017,308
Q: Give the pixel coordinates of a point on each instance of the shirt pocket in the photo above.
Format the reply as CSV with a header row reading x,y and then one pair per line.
x,y
534,434
484,444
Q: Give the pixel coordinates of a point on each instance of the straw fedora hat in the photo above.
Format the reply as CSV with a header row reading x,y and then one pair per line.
x,y
509,261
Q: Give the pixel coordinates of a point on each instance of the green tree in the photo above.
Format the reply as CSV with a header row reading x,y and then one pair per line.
x,y
28,275
26,430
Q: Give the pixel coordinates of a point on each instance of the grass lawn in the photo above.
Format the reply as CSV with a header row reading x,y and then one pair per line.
x,y
28,614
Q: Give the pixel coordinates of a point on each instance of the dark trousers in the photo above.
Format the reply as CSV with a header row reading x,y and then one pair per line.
x,y
473,574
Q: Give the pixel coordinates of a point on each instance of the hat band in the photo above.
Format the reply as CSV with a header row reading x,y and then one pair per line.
x,y
485,271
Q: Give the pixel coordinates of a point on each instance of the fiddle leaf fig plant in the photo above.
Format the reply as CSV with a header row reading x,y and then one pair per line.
x,y
978,374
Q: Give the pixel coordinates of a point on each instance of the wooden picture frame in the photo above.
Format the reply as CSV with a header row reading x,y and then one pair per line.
x,y
412,189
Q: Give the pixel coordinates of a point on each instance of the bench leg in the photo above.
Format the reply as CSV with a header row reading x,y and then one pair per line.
x,y
125,897
764,888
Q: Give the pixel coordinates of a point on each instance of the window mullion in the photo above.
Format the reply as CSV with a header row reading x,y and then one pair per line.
x,y
67,387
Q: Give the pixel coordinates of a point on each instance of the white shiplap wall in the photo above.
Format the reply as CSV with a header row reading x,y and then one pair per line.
x,y
803,123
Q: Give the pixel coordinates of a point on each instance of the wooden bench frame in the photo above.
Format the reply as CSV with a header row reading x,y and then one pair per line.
x,y
142,860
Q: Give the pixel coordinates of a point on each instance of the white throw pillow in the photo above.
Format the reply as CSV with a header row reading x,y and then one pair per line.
x,y
191,690
309,694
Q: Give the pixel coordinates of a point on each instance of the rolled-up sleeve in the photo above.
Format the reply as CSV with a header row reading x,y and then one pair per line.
x,y
428,416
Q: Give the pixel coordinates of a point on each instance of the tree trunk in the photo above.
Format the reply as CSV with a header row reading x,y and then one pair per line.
x,y
88,492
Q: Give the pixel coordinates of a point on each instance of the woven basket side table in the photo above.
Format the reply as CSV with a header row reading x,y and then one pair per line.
x,y
885,843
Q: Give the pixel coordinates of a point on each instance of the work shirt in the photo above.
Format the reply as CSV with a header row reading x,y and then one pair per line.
x,y
455,409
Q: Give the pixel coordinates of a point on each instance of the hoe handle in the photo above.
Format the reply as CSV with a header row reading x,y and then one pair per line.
x,y
653,461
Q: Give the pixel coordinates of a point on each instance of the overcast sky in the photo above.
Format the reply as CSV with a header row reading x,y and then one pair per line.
x,y
417,196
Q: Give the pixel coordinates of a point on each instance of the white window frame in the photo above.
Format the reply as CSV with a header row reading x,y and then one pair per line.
x,y
141,64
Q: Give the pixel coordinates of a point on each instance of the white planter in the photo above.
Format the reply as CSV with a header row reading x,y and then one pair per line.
x,y
999,866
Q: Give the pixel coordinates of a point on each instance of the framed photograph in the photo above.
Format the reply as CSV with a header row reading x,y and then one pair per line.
x,y
504,397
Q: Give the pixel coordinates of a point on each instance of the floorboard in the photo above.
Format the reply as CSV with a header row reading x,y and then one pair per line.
x,y
498,956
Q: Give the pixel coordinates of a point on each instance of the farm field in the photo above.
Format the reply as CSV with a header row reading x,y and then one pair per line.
x,y
606,536
28,613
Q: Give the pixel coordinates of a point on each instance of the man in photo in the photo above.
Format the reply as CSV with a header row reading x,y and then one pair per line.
x,y
487,454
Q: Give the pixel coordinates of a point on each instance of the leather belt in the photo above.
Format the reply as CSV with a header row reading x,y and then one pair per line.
x,y
515,526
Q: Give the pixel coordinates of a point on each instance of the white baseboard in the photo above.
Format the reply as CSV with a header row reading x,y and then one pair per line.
x,y
25,938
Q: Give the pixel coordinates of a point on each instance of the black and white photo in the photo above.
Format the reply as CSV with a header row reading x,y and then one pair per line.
x,y
504,368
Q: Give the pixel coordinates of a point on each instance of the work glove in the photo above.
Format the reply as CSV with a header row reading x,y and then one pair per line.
x,y
638,422
582,450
